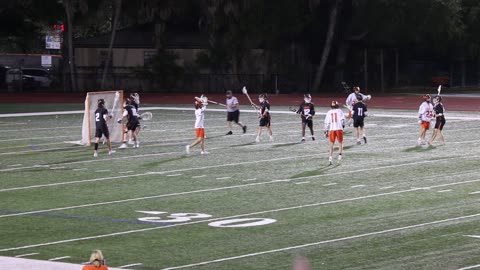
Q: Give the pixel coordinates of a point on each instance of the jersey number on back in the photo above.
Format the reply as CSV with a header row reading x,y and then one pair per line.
x,y
334,117
360,111
97,117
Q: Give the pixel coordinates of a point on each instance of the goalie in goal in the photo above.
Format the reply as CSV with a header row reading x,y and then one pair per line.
x,y
113,101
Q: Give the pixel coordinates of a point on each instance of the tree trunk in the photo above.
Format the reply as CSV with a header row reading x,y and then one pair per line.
x,y
328,45
341,61
71,59
118,8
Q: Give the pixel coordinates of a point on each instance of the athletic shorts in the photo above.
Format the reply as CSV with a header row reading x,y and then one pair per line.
x,y
308,122
426,125
99,131
200,132
264,122
133,125
440,123
233,116
336,135
358,122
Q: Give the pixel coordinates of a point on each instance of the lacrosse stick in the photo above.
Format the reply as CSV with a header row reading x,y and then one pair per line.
x,y
217,103
292,109
244,91
147,116
117,97
439,89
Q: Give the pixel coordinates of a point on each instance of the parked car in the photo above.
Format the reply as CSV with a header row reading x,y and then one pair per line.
x,y
40,76
15,80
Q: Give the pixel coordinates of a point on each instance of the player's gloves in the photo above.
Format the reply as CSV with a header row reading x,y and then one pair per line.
x,y
119,121
110,116
326,133
308,116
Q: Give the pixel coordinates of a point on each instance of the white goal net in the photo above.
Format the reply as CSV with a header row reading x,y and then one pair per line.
x,y
114,105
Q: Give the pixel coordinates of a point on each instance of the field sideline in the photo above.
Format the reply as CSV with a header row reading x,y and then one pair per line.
x,y
388,205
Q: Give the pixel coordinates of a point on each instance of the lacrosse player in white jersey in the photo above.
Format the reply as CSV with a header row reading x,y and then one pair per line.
x,y
233,113
334,122
425,115
200,107
352,99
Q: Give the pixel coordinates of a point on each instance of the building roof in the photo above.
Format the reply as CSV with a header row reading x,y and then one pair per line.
x,y
142,36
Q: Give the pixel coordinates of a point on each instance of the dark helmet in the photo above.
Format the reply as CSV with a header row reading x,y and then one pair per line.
x,y
101,102
307,98
356,88
438,99
228,93
334,104
359,97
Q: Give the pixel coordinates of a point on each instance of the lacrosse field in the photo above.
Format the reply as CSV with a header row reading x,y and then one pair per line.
x,y
390,204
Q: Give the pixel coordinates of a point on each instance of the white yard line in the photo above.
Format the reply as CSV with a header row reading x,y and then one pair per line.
x,y
470,267
302,183
352,237
474,193
203,190
26,255
249,180
237,216
59,258
38,138
126,172
198,176
387,187
358,186
100,171
130,265
173,175
444,190
329,184
223,178
80,169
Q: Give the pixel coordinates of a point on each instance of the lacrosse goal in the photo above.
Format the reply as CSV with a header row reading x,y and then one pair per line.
x,y
114,105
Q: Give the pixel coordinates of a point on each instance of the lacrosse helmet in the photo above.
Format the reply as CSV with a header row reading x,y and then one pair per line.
x,y
101,102
229,94
356,89
359,97
135,97
262,97
427,98
438,99
334,104
307,98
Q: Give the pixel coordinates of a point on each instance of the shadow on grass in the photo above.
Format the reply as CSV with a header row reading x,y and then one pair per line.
x,y
284,145
243,144
319,171
160,162
419,149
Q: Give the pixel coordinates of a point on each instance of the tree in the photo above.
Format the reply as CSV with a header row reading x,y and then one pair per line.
x,y
118,8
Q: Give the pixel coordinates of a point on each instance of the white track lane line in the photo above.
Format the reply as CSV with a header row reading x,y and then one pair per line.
x,y
241,215
352,237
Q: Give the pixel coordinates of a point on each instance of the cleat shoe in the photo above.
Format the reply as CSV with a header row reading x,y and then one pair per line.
x,y
111,152
313,138
95,155
204,153
339,158
229,133
271,139
131,142
123,146
138,144
365,139
257,140
187,149
244,129
302,140
359,142
330,160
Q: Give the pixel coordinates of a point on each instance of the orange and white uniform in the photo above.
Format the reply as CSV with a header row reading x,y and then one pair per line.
x,y
93,267
199,120
425,114
334,121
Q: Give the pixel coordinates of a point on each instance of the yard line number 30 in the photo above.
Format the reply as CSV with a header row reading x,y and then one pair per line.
x,y
165,217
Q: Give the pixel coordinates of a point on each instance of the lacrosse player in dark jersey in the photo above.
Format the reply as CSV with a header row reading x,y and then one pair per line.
x,y
133,124
359,111
264,115
439,113
101,128
306,111
135,102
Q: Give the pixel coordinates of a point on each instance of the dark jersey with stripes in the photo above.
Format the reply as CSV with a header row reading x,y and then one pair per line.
x,y
306,109
359,110
100,114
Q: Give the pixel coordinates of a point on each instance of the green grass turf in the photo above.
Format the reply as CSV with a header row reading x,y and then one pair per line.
x,y
388,184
